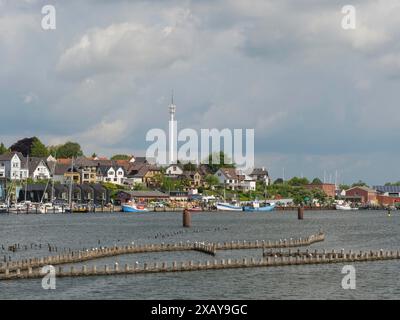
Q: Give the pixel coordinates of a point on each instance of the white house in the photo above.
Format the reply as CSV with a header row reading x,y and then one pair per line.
x,y
247,183
2,170
174,170
233,180
260,174
38,169
114,175
228,178
50,158
13,166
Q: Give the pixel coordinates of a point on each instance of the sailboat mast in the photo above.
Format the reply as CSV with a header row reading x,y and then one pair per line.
x,y
26,179
224,191
70,183
52,178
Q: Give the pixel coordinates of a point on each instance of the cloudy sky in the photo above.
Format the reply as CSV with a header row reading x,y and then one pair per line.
x,y
319,97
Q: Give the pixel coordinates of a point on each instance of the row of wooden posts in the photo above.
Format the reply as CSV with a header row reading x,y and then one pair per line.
x,y
269,261
208,248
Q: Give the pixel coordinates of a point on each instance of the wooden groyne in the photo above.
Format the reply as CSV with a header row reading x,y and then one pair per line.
x,y
208,248
164,267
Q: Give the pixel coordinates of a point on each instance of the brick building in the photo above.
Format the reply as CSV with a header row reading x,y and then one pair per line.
x,y
328,188
362,195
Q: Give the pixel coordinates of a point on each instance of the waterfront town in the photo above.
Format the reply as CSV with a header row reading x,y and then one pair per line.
x,y
32,175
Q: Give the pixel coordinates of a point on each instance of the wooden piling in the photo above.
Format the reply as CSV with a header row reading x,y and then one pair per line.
x,y
187,219
300,213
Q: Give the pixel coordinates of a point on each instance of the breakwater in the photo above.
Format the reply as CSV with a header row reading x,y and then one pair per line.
x,y
273,261
208,248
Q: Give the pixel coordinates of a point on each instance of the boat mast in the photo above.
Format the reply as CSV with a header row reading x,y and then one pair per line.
x,y
52,177
47,184
70,183
26,179
224,191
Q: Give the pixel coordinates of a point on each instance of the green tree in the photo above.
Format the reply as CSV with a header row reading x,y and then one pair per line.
x,y
3,149
295,181
278,181
319,195
121,157
359,183
139,187
69,150
53,150
316,181
167,184
189,167
344,187
38,149
219,160
393,183
24,146
211,180
94,155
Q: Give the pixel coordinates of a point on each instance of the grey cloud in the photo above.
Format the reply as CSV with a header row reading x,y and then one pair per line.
x,y
318,97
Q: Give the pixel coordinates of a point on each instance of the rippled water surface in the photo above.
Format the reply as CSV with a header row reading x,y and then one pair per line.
x,y
350,230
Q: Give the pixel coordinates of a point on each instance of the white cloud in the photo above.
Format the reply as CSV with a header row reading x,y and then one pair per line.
x,y
29,98
127,47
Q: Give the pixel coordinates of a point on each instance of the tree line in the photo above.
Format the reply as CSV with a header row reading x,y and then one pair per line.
x,y
33,147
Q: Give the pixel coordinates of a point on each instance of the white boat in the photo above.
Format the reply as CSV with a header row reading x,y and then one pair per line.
x,y
49,208
345,207
19,207
225,206
3,207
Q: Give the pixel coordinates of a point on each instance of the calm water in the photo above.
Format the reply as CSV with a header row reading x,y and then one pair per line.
x,y
358,231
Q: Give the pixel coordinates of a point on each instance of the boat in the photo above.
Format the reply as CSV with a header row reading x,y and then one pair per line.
x,y
194,209
50,208
3,208
133,207
225,206
345,207
76,208
255,207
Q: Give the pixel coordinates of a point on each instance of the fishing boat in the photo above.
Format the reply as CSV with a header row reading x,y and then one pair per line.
x,y
133,207
345,207
255,207
225,206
